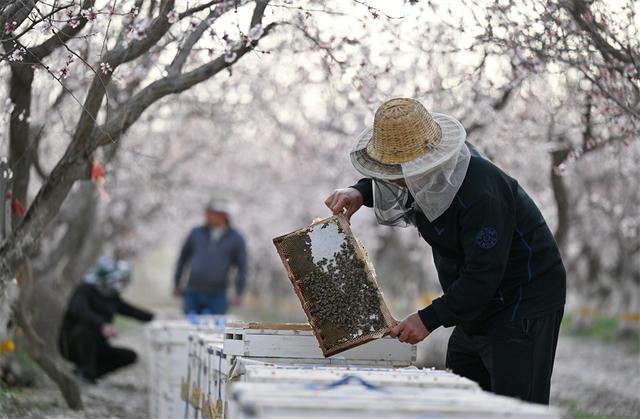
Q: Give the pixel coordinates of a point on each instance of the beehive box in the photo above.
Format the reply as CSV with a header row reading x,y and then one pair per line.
x,y
335,282
293,344
388,377
365,400
168,350
195,387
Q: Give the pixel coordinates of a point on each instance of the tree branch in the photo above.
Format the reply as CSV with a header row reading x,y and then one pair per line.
x,y
61,37
168,85
185,49
258,12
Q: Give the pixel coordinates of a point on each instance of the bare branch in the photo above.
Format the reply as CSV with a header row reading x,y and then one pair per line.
x,y
185,49
168,85
156,31
258,12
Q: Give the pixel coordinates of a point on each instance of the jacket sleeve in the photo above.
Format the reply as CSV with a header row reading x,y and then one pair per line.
x,y
185,256
241,261
128,310
365,187
80,308
486,232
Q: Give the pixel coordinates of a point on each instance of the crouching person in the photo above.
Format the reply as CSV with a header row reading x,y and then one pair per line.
x,y
87,324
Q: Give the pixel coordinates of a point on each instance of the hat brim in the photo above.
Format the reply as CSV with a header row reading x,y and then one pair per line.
x,y
453,136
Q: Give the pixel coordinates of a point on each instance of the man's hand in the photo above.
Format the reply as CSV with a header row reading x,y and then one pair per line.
x,y
410,330
237,301
347,200
177,292
108,331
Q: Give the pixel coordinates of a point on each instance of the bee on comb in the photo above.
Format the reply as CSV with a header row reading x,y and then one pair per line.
x,y
336,284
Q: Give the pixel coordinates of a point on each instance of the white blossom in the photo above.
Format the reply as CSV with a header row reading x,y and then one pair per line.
x,y
230,56
47,27
256,32
105,68
17,54
9,106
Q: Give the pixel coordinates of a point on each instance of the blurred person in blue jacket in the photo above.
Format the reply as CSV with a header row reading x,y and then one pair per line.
x,y
87,325
209,254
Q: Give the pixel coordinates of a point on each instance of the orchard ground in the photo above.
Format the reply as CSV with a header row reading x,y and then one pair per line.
x,y
593,378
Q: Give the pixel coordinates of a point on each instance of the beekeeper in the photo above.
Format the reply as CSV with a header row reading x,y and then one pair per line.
x,y
209,256
497,261
88,321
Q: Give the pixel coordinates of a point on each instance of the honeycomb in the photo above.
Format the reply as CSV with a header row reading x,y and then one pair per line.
x,y
335,282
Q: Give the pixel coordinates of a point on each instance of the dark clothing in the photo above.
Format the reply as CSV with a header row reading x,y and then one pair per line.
x,y
497,260
81,340
210,261
512,360
92,354
503,281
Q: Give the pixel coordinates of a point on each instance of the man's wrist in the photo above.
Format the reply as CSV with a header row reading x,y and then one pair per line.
x,y
429,318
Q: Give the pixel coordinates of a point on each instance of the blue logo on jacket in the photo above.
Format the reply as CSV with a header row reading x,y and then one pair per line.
x,y
487,237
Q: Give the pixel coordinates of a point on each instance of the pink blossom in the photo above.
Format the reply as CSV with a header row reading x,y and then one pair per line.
x,y
74,22
89,14
9,27
64,72
560,170
173,16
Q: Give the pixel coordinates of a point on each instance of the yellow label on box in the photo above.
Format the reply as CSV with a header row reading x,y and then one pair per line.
x,y
195,396
184,390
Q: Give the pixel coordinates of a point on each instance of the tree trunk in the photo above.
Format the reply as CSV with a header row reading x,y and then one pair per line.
x,y
75,252
46,356
561,196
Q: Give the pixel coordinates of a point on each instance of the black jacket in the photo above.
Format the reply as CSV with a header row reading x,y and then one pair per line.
x,y
497,260
89,308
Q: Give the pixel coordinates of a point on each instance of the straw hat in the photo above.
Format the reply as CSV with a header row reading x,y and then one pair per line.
x,y
406,139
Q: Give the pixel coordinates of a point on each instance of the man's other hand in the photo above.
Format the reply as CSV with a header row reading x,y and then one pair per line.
x,y
347,200
410,330
108,331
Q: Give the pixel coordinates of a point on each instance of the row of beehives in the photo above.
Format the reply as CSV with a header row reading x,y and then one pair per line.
x,y
245,370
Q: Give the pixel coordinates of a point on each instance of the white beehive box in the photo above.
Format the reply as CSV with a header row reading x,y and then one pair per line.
x,y
388,377
294,344
312,401
168,357
273,341
196,387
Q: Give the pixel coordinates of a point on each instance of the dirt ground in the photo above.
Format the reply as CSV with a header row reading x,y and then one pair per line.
x,y
121,395
592,379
